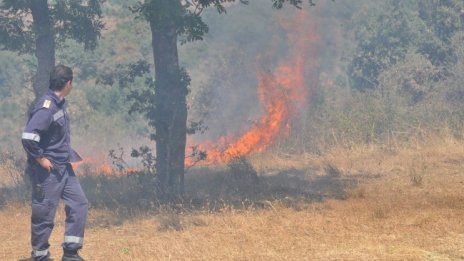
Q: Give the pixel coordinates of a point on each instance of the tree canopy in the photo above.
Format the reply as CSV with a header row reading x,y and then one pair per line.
x,y
79,20
386,32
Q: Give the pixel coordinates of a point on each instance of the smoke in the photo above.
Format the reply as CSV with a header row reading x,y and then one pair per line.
x,y
251,80
261,105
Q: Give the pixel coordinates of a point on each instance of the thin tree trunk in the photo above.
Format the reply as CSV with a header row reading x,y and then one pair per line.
x,y
45,45
171,112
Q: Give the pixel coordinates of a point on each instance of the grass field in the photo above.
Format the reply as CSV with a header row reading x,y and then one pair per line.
x,y
363,203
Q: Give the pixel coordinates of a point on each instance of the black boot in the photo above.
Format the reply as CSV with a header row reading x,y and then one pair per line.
x,y
71,256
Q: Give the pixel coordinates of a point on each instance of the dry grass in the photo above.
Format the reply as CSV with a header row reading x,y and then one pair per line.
x,y
10,174
407,204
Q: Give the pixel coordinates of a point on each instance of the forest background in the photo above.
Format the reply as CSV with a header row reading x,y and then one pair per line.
x,y
385,73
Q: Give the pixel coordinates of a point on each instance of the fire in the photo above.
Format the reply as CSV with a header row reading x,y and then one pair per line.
x,y
282,93
100,167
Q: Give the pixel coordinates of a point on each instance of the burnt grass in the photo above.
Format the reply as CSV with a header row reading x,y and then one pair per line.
x,y
239,186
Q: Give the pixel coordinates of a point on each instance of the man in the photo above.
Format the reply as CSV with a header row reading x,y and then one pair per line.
x,y
46,140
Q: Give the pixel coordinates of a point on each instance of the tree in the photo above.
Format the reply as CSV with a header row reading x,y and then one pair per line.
x,y
52,24
165,106
387,33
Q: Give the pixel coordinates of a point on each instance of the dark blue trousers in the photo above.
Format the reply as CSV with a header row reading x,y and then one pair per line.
x,y
47,190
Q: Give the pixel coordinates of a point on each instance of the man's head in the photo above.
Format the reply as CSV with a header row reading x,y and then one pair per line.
x,y
61,79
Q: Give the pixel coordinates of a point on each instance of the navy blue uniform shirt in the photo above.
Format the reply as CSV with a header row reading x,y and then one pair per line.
x,y
47,133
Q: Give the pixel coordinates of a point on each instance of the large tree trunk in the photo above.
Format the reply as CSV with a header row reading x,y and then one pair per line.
x,y
171,112
44,45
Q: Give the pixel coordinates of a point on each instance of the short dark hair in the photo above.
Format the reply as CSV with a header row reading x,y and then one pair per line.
x,y
59,77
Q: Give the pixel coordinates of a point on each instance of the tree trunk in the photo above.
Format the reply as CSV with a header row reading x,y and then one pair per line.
x,y
44,45
170,113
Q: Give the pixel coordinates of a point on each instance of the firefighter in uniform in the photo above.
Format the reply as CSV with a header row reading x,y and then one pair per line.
x,y
46,140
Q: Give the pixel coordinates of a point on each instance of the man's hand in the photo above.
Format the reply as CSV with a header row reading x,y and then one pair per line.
x,y
45,163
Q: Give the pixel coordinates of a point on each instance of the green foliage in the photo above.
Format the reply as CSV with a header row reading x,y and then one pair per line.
x,y
191,28
185,16
444,17
78,20
147,158
15,5
11,76
161,13
72,19
412,79
12,33
297,3
386,32
124,74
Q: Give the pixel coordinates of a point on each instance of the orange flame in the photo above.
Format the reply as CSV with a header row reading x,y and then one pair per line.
x,y
100,167
281,94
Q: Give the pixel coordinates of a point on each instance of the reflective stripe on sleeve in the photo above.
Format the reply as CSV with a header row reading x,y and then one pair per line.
x,y
30,136
37,253
73,239
58,115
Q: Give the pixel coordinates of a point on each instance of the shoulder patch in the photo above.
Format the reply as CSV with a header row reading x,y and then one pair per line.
x,y
47,104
